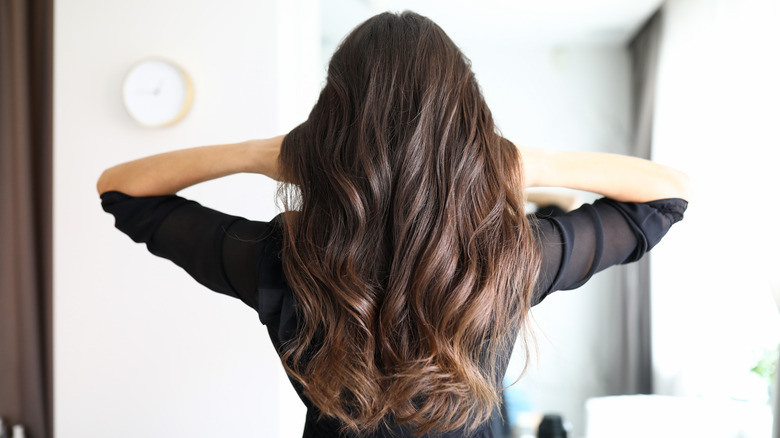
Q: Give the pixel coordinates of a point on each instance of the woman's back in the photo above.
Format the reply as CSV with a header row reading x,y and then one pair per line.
x,y
574,246
409,243
398,280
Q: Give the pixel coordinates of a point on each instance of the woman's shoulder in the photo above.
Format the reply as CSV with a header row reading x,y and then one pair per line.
x,y
276,301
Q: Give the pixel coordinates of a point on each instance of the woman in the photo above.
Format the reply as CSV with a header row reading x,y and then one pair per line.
x,y
400,275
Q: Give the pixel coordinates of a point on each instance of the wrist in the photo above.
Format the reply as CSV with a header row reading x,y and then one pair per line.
x,y
262,156
535,162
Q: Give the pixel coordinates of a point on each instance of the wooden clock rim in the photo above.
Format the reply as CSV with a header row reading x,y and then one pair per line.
x,y
189,97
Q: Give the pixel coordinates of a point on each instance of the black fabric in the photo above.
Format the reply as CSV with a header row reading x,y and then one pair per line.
x,y
595,236
242,258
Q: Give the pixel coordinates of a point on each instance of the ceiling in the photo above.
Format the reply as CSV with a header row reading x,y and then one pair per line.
x,y
526,22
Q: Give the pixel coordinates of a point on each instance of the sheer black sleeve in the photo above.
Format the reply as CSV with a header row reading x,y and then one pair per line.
x,y
229,254
585,241
220,251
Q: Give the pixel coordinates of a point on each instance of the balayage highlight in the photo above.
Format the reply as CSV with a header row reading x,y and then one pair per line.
x,y
406,242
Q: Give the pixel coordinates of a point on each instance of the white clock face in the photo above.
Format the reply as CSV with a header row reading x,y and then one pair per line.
x,y
157,93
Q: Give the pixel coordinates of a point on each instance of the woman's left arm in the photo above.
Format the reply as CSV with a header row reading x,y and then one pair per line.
x,y
169,172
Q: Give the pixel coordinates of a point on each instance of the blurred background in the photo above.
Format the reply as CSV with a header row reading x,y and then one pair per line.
x,y
683,344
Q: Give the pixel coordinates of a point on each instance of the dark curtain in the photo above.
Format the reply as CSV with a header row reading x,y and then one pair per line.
x,y
26,46
634,372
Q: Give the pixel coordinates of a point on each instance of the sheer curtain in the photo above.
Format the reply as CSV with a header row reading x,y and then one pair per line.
x,y
25,214
717,117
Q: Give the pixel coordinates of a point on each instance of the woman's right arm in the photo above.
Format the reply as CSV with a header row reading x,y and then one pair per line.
x,y
619,177
642,201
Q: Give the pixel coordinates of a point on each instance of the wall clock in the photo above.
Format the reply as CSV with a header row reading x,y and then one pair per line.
x,y
156,92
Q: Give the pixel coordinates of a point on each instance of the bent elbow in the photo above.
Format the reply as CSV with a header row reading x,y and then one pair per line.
x,y
104,182
682,184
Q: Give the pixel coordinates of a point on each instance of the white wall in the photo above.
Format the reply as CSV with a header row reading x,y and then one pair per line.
x,y
140,348
716,117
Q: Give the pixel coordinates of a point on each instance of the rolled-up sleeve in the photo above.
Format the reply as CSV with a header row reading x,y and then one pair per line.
x,y
587,240
220,251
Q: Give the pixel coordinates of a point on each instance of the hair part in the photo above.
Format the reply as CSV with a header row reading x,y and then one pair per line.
x,y
406,242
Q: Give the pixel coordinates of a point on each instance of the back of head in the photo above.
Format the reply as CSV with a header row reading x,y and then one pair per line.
x,y
406,242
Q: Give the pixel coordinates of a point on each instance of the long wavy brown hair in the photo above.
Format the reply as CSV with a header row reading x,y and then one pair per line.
x,y
406,243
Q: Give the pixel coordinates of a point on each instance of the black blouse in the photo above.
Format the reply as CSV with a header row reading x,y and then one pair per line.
x,y
242,258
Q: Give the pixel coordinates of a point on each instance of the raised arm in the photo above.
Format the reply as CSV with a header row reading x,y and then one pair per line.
x,y
619,177
642,201
170,172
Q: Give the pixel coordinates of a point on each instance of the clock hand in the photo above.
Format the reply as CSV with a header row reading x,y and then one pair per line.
x,y
159,86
